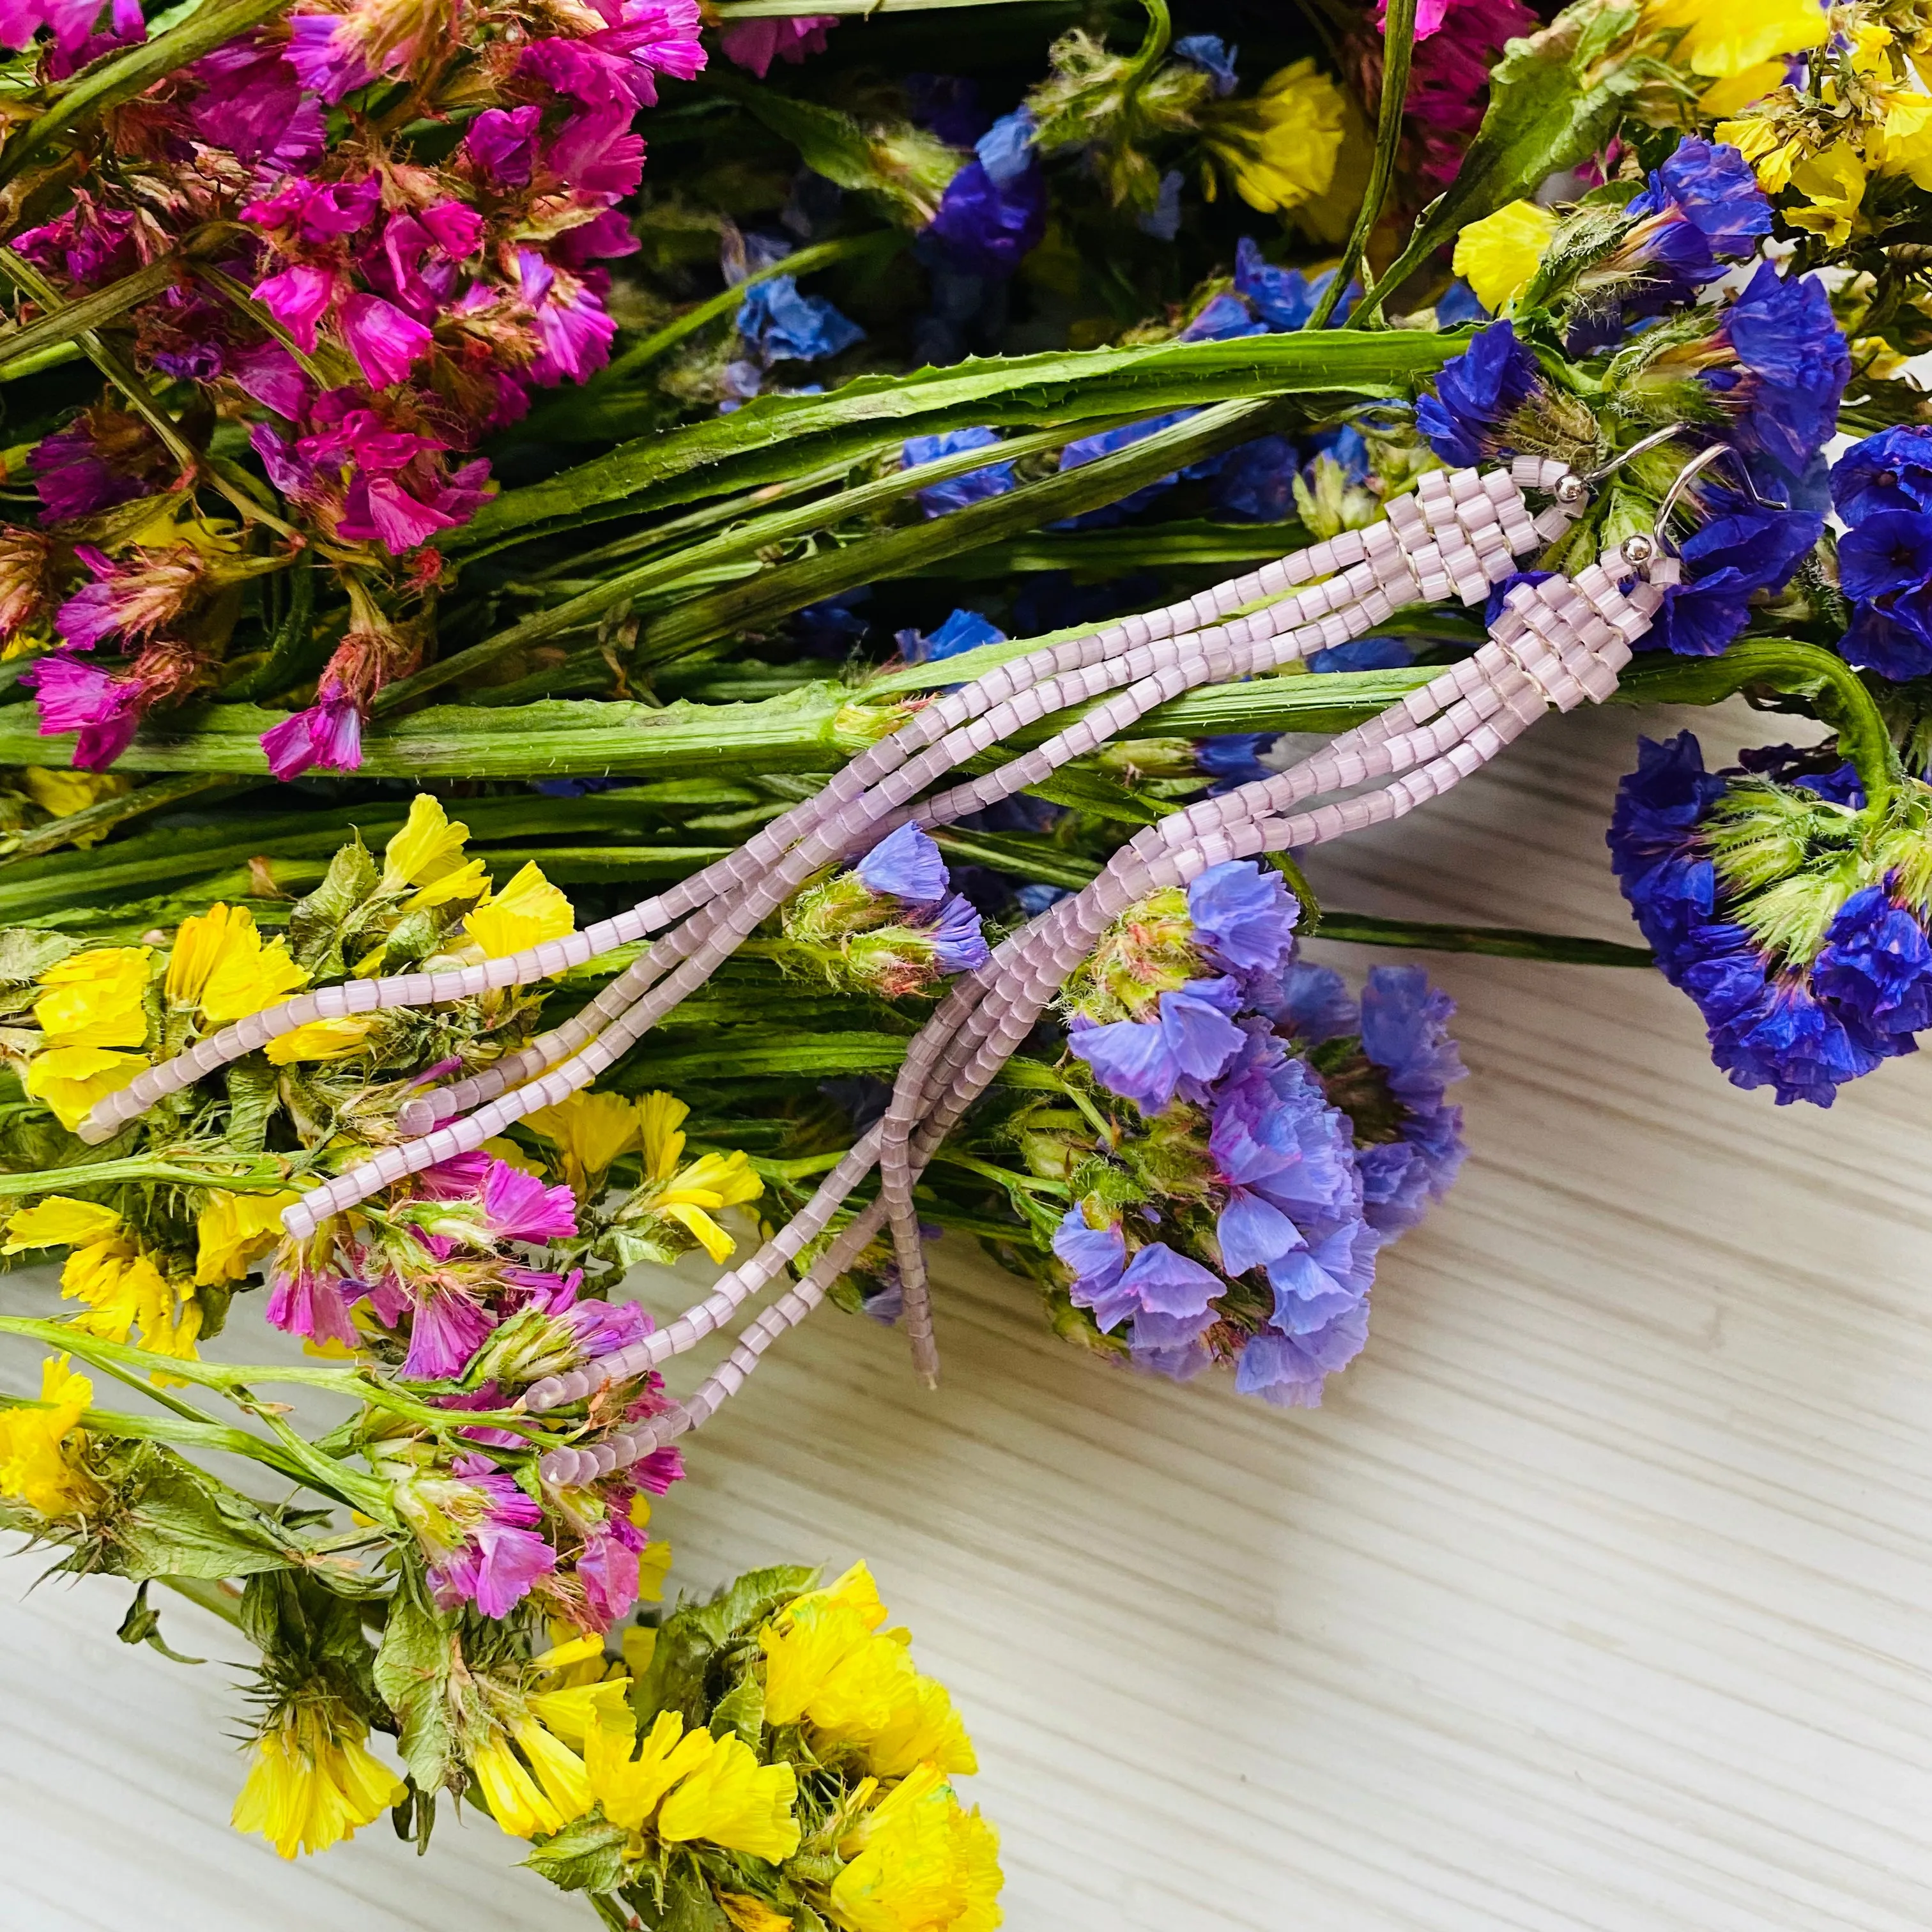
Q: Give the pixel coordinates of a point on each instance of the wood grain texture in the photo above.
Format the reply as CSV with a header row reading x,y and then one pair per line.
x,y
1597,1596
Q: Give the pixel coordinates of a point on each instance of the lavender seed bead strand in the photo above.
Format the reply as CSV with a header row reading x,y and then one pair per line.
x,y
1223,651
1259,834
1377,569
1272,579
946,1028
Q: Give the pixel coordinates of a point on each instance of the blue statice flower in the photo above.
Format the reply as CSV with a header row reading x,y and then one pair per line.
x,y
891,924
1476,393
1712,189
780,325
1807,771
1387,1063
1778,365
1890,471
1405,1034
963,631
1191,1038
975,487
1457,305
905,865
1364,654
1724,562
1282,299
1244,916
1034,898
994,211
948,105
1884,567
1802,1022
1256,481
1163,220
1213,57
833,627
1234,758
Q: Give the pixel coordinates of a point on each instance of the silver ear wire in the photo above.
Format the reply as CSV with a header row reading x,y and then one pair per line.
x,y
1655,440
1680,483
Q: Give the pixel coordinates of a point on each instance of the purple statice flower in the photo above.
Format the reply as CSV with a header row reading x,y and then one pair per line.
x,y
88,244
1244,916
502,1554
1404,1032
975,487
72,695
606,1569
512,1205
387,344
1155,1280
1890,471
327,51
779,325
1476,393
327,737
1777,366
1290,1370
948,105
571,322
501,145
251,103
994,211
91,466
1213,57
298,299
906,866
963,631
70,22
1725,562
1457,305
447,1326
1193,1037
1876,967
755,44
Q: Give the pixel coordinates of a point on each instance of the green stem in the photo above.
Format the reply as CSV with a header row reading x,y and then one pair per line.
x,y
1495,941
745,540
220,1600
1398,46
1786,664
255,1178
882,243
93,820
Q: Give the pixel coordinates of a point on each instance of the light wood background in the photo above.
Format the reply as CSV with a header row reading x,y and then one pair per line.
x,y
1597,1597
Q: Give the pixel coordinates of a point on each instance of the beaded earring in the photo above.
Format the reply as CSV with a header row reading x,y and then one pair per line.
x,y
1461,532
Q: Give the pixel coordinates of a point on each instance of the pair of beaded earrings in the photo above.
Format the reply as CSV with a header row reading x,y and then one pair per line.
x,y
1554,643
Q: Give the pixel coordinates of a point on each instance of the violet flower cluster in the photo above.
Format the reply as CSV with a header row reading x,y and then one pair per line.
x,y
1280,1136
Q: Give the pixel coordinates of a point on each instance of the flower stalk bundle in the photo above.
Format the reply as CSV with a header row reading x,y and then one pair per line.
x,y
590,545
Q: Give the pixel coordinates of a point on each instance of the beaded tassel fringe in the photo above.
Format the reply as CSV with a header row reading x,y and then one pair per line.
x,y
1556,643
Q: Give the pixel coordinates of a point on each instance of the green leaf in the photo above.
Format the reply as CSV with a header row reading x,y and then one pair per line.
x,y
412,1672
142,1624
741,1709
318,922
253,1087
586,1856
179,1523
1554,98
904,170
24,954
693,1634
776,437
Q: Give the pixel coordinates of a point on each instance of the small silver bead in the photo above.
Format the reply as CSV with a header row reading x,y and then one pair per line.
x,y
1639,549
1571,490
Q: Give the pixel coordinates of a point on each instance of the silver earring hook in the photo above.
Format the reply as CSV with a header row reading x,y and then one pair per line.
x,y
1656,439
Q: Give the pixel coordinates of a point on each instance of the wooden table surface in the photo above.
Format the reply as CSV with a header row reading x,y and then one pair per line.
x,y
1597,1596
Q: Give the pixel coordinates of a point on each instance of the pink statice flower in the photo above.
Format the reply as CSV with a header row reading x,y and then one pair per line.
x,y
498,1552
1448,83
306,1298
89,244
617,67
106,709
134,597
755,44
70,22
251,102
104,457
